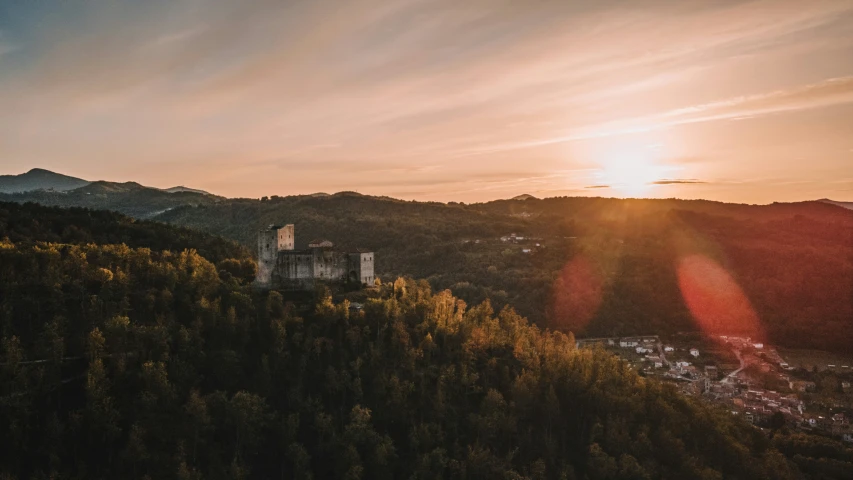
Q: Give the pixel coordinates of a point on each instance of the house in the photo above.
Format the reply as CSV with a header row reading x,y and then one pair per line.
x,y
320,243
668,349
694,352
758,346
681,364
642,350
525,250
628,343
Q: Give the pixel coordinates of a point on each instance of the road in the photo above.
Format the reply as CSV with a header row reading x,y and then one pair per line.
x,y
742,365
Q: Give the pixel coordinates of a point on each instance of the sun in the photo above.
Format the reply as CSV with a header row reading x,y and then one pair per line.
x,y
631,174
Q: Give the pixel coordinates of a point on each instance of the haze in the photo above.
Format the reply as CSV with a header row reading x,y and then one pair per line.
x,y
745,101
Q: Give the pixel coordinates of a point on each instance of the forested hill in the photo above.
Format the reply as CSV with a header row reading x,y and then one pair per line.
x,y
28,223
132,362
603,266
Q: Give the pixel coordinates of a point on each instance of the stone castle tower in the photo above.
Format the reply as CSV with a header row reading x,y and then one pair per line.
x,y
271,241
280,265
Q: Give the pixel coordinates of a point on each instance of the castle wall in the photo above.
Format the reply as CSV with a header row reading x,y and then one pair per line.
x,y
329,265
294,269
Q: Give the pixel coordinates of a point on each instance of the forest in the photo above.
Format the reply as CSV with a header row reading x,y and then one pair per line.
x,y
126,353
603,267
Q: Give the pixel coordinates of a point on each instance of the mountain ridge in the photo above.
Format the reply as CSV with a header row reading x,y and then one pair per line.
x,y
42,179
39,179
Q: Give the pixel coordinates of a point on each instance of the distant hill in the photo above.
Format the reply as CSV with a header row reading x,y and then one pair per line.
x,y
39,179
129,198
523,197
848,205
181,189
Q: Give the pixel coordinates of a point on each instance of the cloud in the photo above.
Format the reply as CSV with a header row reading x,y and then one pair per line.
x,y
833,91
677,182
598,186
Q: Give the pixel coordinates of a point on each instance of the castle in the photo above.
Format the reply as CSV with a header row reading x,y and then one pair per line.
x,y
280,265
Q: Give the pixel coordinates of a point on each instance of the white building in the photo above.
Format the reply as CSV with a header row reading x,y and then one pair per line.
x,y
668,349
758,346
694,352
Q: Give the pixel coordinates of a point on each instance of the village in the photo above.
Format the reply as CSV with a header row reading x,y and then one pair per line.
x,y
749,378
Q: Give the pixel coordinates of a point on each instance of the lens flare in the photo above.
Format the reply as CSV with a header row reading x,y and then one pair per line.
x,y
715,300
577,295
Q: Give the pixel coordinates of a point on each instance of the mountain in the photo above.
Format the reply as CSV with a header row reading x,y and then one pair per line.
x,y
129,198
136,361
39,179
848,205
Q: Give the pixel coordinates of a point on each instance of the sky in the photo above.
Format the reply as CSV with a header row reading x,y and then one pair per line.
x,y
447,100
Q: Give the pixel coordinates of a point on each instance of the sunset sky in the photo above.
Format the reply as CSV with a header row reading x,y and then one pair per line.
x,y
745,101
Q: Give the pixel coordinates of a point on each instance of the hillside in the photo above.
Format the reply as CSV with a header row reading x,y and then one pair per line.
x,y
604,266
39,179
135,362
23,224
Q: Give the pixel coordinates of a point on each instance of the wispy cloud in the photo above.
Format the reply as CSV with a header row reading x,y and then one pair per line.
x,y
597,186
677,182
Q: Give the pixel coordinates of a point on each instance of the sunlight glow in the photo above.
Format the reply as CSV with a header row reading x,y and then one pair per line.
x,y
717,303
632,174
